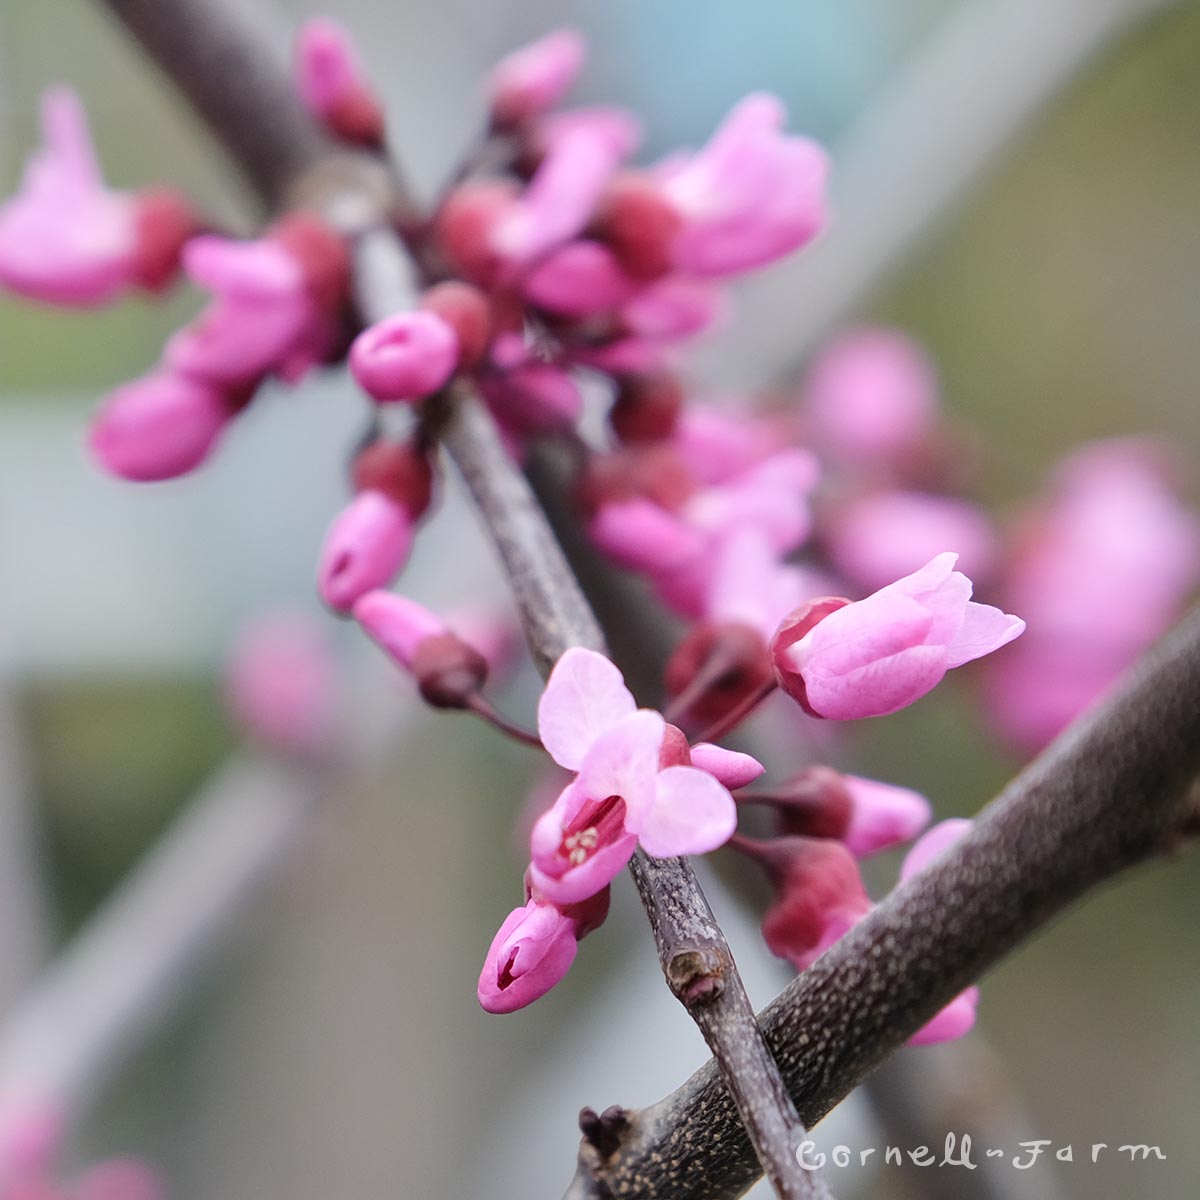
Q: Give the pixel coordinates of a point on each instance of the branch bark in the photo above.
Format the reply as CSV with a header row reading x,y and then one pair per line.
x,y
214,55
1115,790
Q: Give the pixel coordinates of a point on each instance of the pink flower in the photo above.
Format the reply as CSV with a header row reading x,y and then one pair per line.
x,y
644,536
590,724
533,399
535,78
559,200
407,356
530,953
871,397
333,85
276,304
280,683
159,427
65,238
846,661
957,1018
398,625
365,548
750,196
884,535
882,815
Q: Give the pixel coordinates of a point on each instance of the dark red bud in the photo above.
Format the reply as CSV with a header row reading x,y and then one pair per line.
x,y
816,803
448,671
653,472
322,254
468,312
724,663
647,407
639,225
464,224
400,470
357,118
165,221
588,914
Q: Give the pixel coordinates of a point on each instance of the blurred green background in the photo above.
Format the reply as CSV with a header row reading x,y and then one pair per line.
x,y
339,1050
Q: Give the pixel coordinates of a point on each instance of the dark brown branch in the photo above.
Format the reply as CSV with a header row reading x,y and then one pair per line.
x,y
218,61
1113,791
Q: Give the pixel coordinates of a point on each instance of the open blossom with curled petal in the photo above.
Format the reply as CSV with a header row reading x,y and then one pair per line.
x,y
65,238
534,78
752,195
621,795
845,660
333,85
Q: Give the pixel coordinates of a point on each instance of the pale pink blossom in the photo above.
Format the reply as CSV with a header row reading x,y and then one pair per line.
x,y
883,535
752,195
66,238
364,549
878,655
406,356
280,683
590,724
333,84
719,443
730,768
644,536
160,426
882,815
559,199
534,78
871,397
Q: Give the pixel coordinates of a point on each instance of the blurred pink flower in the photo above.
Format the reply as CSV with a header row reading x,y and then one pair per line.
x,y
65,238
280,684
752,195
333,85
534,78
407,356
871,397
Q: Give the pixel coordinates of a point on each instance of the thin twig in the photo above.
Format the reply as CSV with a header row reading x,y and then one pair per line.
x,y
1115,790
555,615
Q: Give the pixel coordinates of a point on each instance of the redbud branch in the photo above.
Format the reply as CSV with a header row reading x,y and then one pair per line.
x,y
1115,790
197,42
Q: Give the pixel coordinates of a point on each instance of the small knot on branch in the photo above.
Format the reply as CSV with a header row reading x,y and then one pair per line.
x,y
604,1131
698,976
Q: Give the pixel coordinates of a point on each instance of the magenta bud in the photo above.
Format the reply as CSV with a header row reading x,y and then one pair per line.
x,y
158,427
534,78
366,546
407,356
530,953
397,625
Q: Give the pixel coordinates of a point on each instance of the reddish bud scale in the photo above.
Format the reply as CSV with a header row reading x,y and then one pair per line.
x,y
647,407
675,751
653,472
793,628
468,312
165,221
735,653
397,469
448,671
639,226
357,118
816,803
322,254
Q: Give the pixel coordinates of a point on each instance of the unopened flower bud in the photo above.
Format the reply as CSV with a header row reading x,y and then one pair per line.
x,y
448,670
730,660
647,407
407,356
334,87
534,78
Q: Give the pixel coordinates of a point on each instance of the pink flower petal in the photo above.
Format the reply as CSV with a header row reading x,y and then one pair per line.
x,y
932,845
983,630
730,768
955,1020
585,696
623,761
882,815
691,814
